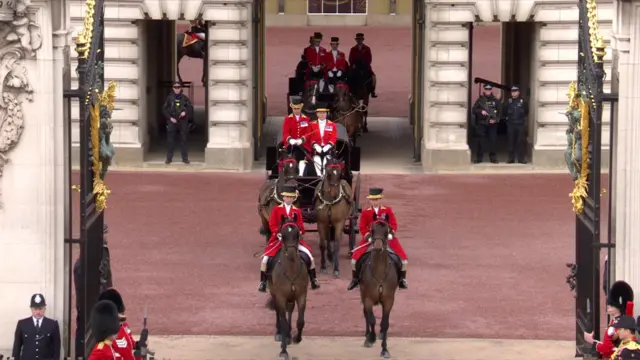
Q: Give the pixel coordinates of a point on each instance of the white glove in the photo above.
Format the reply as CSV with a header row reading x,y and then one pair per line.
x,y
292,141
316,68
339,73
326,148
390,237
299,142
330,74
317,148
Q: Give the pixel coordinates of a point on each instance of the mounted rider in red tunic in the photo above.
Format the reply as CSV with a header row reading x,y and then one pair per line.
x,y
336,64
314,55
361,55
295,134
619,302
197,32
286,210
369,215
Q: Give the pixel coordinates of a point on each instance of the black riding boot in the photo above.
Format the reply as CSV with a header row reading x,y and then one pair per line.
x,y
402,282
263,282
314,281
354,280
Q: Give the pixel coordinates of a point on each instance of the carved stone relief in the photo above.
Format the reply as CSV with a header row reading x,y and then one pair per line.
x,y
19,41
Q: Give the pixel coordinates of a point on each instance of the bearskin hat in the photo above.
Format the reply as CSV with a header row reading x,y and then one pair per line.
x,y
114,296
621,296
104,320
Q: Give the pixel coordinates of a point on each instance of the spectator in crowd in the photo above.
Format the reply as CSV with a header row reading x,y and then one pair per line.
x,y
37,337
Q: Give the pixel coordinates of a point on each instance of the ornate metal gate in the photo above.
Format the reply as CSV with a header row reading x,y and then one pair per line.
x,y
91,272
583,157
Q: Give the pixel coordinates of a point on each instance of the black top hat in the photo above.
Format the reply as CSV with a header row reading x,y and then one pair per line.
x,y
104,320
488,86
335,39
37,301
296,101
359,36
177,84
317,35
375,193
620,296
114,296
320,106
289,190
515,88
625,322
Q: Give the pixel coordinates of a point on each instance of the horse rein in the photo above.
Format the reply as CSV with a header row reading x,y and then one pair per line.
x,y
289,246
382,248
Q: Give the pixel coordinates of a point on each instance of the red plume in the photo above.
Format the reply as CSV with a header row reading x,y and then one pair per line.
x,y
629,308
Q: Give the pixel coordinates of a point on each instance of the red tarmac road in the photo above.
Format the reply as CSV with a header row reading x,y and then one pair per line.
x,y
487,256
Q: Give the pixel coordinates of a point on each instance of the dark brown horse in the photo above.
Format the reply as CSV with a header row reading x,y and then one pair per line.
x,y
334,205
360,78
195,50
269,194
309,97
346,112
288,284
378,284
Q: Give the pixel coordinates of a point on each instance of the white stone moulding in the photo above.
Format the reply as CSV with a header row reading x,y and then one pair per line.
x,y
228,113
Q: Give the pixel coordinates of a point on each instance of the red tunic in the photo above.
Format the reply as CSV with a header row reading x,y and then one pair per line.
x,y
314,58
275,219
293,128
361,54
607,348
366,220
103,351
340,63
330,136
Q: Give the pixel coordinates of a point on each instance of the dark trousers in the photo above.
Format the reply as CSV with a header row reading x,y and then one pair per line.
x,y
182,127
79,339
515,133
486,136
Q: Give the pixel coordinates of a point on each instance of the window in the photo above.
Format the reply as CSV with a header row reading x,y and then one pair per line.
x,y
338,7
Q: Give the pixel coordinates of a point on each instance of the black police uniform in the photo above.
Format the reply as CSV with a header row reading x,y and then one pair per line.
x,y
37,342
516,110
173,107
486,133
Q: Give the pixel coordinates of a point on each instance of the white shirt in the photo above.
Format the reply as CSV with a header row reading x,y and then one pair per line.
x,y
321,125
335,58
297,117
375,209
317,53
287,209
35,321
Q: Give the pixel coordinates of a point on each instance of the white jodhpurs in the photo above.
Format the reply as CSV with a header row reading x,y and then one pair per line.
x,y
306,251
321,84
317,163
263,265
301,166
201,36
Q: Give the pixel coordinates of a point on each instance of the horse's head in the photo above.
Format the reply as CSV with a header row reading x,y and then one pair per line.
x,y
289,232
380,231
288,168
334,172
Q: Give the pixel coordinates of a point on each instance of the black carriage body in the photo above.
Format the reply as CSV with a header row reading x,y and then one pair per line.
x,y
93,273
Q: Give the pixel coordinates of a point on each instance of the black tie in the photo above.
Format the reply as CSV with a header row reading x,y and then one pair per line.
x,y
37,325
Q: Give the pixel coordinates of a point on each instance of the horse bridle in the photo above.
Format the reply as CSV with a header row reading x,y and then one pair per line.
x,y
385,245
289,160
289,246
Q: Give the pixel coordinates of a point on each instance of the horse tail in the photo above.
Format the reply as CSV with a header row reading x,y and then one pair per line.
x,y
271,304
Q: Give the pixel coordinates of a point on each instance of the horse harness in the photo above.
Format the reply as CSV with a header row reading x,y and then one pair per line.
x,y
342,195
386,265
284,248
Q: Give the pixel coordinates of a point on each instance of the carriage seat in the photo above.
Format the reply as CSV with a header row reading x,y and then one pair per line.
x,y
273,260
395,259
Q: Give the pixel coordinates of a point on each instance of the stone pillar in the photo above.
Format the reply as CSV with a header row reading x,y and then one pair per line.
x,y
230,105
626,166
31,161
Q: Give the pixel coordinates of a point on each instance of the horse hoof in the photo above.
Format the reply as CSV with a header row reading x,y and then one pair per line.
x,y
284,355
297,340
323,270
368,344
336,273
277,338
385,354
365,130
289,341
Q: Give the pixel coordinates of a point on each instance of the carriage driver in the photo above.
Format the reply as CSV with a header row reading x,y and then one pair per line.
x,y
376,210
294,133
286,209
314,56
323,135
336,64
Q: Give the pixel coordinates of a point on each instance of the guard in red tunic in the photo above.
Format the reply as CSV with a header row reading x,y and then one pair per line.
x,y
124,344
336,64
619,302
294,134
314,55
286,210
323,135
105,325
368,216
361,54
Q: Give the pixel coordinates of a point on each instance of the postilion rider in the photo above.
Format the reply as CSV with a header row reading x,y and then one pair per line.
x,y
628,349
295,131
374,211
124,343
286,209
105,325
323,135
619,302
362,53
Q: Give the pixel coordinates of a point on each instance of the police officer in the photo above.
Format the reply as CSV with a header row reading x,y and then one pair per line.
x,y
515,110
177,109
486,113
37,337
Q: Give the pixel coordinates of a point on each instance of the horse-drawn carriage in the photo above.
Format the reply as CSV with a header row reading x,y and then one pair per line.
x,y
308,184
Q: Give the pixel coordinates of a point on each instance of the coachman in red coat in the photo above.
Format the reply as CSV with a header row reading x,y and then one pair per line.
x,y
295,134
368,216
361,54
105,325
619,302
323,135
285,210
336,64
314,56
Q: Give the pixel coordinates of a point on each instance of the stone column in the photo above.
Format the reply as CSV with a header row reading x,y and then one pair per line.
x,y
626,163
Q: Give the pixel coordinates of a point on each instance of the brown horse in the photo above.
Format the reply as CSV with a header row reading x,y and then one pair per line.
x,y
309,95
288,284
346,112
269,194
333,203
360,78
378,283
195,50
